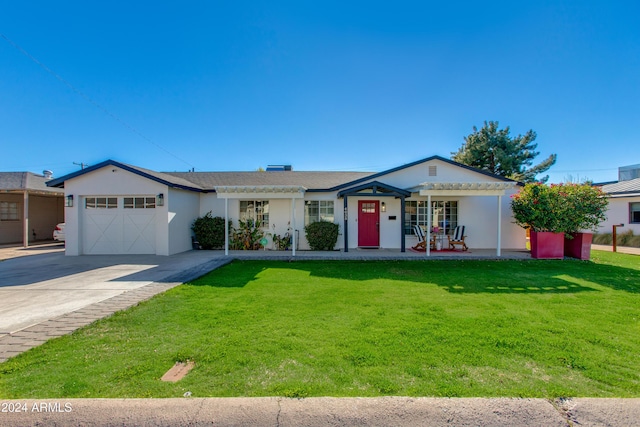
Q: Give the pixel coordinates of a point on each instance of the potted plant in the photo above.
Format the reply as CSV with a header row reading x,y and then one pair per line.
x,y
587,206
557,215
539,207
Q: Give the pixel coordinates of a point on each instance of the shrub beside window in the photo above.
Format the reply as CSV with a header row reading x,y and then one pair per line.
x,y
209,231
322,235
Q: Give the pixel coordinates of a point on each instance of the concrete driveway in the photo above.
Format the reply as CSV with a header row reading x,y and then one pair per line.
x,y
37,288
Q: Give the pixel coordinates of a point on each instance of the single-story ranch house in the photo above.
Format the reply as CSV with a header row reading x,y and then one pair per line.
x,y
624,201
116,208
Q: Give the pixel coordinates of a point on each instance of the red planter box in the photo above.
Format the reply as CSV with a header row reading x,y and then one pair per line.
x,y
578,247
547,245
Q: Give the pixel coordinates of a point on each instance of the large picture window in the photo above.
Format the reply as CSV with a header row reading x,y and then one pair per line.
x,y
318,210
9,211
257,210
443,215
634,213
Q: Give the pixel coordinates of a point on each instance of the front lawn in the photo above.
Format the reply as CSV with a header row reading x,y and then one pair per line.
x,y
412,328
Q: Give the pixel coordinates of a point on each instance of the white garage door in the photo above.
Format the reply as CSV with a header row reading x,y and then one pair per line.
x,y
119,225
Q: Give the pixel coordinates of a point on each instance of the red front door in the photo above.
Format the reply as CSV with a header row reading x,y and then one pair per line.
x,y
368,223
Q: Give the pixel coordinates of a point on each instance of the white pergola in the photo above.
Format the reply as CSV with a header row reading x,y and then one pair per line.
x,y
292,192
496,189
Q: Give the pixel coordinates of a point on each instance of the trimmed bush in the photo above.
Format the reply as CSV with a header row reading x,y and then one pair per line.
x,y
322,235
209,231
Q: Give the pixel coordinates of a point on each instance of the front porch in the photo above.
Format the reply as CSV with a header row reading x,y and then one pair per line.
x,y
377,254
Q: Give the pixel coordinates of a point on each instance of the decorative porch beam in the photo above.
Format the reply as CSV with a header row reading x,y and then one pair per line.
x,y
293,230
402,238
346,224
226,226
428,239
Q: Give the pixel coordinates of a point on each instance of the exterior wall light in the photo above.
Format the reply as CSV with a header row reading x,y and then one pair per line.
x,y
383,207
68,201
160,199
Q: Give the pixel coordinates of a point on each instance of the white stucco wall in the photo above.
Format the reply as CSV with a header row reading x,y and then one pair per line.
x,y
479,214
111,181
183,209
618,213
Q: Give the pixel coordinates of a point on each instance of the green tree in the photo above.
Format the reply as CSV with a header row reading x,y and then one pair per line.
x,y
495,151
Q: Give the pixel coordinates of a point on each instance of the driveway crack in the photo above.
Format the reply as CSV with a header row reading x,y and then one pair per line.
x,y
564,407
279,400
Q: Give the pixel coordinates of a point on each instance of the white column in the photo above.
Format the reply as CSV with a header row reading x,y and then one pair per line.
x,y
428,239
25,219
226,226
293,227
498,248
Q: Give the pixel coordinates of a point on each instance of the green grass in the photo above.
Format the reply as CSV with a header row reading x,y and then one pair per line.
x,y
415,328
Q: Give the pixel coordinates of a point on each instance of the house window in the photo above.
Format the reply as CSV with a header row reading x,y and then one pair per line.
x,y
139,202
100,203
257,210
443,214
318,210
634,213
9,211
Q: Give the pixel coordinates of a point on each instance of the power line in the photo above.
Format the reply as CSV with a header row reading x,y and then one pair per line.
x,y
90,100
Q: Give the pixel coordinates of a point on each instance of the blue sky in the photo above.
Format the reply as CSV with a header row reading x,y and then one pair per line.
x,y
364,86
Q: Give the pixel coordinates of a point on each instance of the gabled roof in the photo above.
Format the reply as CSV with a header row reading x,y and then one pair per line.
x,y
622,188
376,187
163,178
409,165
312,181
25,181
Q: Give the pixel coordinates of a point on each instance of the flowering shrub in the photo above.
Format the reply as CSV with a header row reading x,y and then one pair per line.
x,y
586,205
559,208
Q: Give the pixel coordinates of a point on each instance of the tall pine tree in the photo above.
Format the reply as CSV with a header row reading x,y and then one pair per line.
x,y
494,150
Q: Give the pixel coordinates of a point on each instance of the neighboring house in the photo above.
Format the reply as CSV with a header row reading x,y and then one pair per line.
x,y
29,210
624,201
119,208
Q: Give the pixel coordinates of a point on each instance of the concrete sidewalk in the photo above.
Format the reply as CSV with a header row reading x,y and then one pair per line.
x,y
322,411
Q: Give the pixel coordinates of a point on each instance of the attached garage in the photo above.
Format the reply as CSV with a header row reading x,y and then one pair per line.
x,y
118,225
118,209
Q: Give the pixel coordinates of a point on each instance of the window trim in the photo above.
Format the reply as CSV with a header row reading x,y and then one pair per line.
x,y
421,214
9,212
322,208
242,215
632,211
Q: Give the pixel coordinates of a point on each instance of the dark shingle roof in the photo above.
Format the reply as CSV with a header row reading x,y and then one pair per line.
x,y
21,181
170,180
309,180
312,181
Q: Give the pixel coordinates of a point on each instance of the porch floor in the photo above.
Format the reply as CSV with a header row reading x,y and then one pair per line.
x,y
379,254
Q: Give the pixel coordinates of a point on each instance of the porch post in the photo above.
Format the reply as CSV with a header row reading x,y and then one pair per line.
x,y
25,219
428,239
346,225
402,239
293,229
498,248
226,226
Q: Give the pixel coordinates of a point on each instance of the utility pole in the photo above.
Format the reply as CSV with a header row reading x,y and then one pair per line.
x,y
82,165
